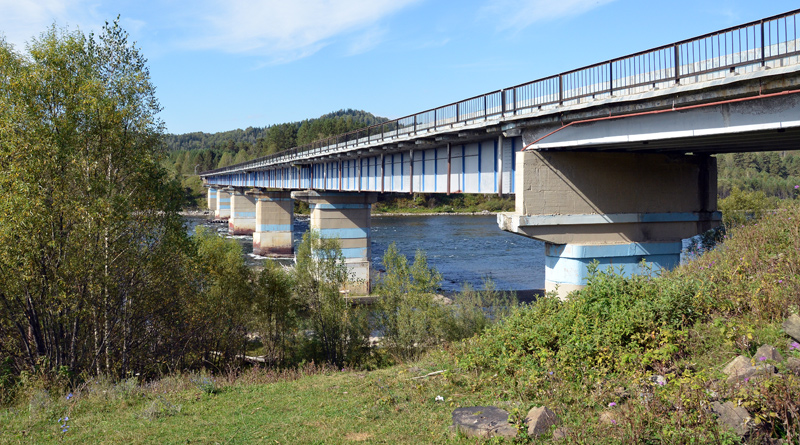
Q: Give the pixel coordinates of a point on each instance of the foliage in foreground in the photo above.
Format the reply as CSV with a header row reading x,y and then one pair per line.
x,y
92,250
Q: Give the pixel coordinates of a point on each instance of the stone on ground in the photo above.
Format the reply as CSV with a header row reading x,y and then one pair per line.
x,y
792,327
732,416
741,368
793,365
608,418
483,421
539,420
769,353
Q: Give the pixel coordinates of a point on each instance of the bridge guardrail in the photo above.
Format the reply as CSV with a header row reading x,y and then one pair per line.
x,y
711,55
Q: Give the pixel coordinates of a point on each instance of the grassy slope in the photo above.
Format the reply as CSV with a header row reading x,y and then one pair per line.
x,y
330,407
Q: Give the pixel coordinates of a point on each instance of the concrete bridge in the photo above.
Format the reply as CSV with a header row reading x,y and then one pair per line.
x,y
611,162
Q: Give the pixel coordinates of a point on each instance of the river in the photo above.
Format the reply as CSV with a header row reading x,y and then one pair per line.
x,y
463,248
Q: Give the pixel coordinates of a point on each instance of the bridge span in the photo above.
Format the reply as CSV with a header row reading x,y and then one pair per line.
x,y
612,162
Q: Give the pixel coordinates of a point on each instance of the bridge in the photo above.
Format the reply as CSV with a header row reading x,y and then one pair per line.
x,y
612,162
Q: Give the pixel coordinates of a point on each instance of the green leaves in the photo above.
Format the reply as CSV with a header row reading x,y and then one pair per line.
x,y
91,246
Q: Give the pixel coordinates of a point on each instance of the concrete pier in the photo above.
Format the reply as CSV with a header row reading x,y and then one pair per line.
x,y
345,216
567,265
616,208
243,213
273,225
223,207
212,199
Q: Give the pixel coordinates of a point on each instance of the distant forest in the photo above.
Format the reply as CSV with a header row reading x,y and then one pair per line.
x,y
198,152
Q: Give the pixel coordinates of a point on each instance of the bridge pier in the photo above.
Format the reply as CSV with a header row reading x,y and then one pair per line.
x,y
223,208
273,225
345,216
212,199
243,213
616,208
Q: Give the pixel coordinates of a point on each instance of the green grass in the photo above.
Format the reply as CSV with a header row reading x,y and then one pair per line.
x,y
319,407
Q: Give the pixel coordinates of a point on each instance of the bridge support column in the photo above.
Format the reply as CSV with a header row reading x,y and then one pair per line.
x,y
615,208
223,207
243,213
567,265
274,221
345,216
212,199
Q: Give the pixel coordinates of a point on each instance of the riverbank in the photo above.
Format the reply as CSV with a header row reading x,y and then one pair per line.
x,y
196,213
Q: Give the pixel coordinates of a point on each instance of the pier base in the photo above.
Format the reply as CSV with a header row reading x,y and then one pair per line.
x,y
223,208
567,265
243,214
345,216
274,220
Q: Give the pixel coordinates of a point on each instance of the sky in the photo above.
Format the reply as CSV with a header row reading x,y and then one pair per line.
x,y
219,65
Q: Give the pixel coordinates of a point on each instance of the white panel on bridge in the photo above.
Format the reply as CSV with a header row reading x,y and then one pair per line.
x,y
397,172
509,147
470,163
417,178
434,170
456,168
488,166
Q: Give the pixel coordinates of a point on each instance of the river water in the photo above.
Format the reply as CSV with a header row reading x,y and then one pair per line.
x,y
463,248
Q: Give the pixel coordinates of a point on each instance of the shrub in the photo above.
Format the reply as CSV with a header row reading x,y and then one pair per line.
x,y
408,316
275,313
614,322
338,329
475,310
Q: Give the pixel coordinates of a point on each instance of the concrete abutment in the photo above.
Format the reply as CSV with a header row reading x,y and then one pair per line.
x,y
617,208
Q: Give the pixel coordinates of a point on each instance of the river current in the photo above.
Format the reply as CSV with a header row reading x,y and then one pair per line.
x,y
465,249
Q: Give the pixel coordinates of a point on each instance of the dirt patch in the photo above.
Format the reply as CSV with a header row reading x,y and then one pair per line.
x,y
358,437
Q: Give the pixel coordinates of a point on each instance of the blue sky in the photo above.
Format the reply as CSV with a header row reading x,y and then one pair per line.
x,y
225,64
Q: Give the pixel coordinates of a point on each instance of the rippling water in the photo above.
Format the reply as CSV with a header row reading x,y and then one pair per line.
x,y
464,249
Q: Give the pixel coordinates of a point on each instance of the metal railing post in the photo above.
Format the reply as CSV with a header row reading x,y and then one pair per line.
x,y
676,50
610,78
763,60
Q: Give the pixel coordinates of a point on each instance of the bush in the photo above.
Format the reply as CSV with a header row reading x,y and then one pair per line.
x,y
475,310
408,316
613,323
275,313
338,330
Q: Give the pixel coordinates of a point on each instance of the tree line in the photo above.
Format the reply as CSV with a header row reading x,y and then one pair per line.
x,y
204,151
775,173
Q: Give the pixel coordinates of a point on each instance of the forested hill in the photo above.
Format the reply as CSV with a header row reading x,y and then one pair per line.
x,y
207,151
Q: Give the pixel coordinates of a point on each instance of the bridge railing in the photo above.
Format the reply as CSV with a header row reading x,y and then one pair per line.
x,y
744,47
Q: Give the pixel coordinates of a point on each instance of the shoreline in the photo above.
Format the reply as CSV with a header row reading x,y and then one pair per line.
x,y
374,215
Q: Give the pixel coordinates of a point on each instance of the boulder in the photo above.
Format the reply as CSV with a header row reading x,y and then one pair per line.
x,y
793,365
608,418
539,420
741,368
483,421
732,416
769,353
792,327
